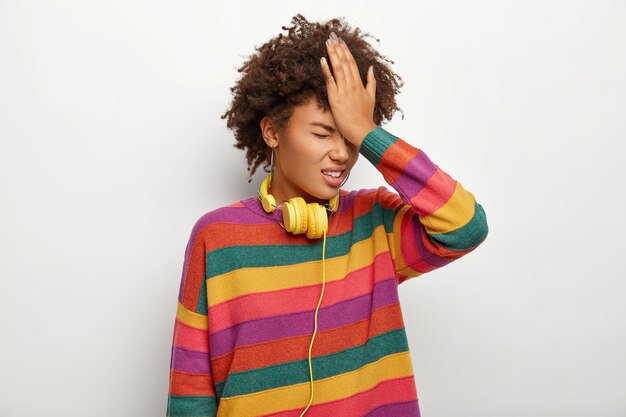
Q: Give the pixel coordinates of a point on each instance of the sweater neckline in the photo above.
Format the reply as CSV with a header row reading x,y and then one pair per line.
x,y
254,204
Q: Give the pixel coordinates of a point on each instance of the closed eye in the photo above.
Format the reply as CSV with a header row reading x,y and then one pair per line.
x,y
321,136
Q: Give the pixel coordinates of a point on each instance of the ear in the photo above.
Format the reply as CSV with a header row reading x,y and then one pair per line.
x,y
269,131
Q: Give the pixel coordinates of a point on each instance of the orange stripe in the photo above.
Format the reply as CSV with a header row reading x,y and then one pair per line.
x,y
383,319
395,159
259,234
440,250
195,275
182,383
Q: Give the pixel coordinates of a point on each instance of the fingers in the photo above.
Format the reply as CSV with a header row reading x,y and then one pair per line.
x,y
330,81
338,68
345,68
371,82
349,61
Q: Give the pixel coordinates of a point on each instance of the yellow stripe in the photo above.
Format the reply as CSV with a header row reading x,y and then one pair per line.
x,y
395,238
329,389
191,318
251,280
456,213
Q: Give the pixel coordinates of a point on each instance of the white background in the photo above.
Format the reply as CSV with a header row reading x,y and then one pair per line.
x,y
112,147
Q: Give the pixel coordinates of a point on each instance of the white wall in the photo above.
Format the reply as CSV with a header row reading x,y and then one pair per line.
x,y
112,146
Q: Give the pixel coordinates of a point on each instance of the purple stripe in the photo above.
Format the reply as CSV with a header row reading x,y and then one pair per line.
x,y
234,215
224,214
415,176
302,323
346,202
191,361
425,255
409,409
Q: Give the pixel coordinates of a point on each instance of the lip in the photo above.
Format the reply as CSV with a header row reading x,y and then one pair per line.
x,y
335,169
334,182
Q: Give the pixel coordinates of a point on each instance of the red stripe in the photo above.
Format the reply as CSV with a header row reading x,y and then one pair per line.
x,y
290,300
395,159
191,384
263,234
383,319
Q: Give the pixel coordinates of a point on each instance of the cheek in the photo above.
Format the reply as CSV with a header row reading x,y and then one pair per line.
x,y
354,156
301,160
309,155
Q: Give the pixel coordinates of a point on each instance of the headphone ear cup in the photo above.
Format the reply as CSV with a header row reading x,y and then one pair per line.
x,y
311,231
269,204
318,221
267,200
334,203
322,220
295,215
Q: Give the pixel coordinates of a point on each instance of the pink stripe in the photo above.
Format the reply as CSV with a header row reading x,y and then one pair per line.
x,y
273,303
435,194
341,314
414,253
190,338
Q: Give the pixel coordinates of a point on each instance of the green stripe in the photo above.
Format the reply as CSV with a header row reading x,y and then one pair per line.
x,y
468,236
376,143
295,372
202,307
191,406
224,260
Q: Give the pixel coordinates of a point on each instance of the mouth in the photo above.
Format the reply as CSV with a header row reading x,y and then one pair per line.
x,y
334,178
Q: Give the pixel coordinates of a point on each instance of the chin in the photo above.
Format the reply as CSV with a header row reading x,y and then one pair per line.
x,y
328,196
324,195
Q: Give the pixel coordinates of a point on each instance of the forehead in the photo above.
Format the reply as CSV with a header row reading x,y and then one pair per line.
x,y
311,111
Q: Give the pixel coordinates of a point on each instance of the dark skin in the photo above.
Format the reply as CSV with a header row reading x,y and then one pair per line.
x,y
300,155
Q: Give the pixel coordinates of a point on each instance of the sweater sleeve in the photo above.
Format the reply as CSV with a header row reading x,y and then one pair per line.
x,y
432,220
191,385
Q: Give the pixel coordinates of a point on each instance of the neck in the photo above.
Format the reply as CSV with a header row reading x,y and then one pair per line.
x,y
283,190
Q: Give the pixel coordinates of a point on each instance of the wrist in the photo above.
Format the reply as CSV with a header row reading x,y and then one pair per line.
x,y
361,132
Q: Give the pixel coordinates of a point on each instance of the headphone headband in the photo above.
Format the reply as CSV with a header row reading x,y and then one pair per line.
x,y
298,216
269,202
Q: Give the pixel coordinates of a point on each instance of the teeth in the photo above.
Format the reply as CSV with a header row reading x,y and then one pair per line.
x,y
332,174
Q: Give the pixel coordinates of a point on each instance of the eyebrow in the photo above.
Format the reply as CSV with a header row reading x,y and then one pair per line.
x,y
323,125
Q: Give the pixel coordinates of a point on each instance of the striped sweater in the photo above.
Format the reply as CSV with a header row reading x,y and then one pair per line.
x,y
249,291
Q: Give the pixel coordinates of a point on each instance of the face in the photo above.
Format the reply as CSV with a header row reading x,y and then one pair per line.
x,y
309,146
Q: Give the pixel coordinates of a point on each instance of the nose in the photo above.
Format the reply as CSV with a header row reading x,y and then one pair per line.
x,y
340,151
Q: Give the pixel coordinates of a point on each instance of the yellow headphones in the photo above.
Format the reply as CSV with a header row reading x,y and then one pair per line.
x,y
298,216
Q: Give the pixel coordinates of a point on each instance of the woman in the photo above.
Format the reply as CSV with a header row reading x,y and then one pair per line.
x,y
283,310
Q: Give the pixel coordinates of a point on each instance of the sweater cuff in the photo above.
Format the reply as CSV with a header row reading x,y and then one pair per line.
x,y
376,143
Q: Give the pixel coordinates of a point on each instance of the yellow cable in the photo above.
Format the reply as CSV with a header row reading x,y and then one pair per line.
x,y
316,309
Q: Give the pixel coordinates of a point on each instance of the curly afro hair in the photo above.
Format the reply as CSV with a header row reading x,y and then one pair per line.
x,y
285,72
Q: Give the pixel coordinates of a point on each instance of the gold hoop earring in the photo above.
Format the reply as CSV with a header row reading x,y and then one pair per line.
x,y
271,166
344,181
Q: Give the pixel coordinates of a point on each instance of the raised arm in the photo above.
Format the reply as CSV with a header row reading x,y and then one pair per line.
x,y
432,220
